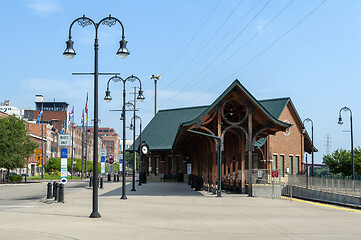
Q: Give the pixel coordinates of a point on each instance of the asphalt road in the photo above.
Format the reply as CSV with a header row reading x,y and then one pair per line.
x,y
28,195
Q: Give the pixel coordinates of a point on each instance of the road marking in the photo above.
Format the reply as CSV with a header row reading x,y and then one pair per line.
x,y
323,205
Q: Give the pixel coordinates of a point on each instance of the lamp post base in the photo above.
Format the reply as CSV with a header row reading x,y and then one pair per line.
x,y
133,190
139,184
123,197
95,214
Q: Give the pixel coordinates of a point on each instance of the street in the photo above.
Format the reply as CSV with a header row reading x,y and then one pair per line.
x,y
28,195
168,211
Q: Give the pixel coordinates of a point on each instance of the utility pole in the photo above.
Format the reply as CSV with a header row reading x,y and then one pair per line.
x,y
156,78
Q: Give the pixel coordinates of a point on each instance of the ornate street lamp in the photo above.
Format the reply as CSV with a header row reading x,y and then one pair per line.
x,y
108,98
340,122
70,53
304,131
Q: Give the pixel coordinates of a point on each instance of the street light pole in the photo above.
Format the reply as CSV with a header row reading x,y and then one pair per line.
x,y
156,78
70,53
304,131
134,153
140,143
340,122
108,98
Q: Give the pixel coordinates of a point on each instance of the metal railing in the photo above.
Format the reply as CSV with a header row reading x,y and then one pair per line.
x,y
266,185
332,185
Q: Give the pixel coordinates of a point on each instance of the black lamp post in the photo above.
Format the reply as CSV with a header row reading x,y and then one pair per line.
x,y
140,142
304,131
108,98
70,53
341,122
156,78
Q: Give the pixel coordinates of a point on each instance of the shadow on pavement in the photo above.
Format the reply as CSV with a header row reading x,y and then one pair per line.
x,y
156,189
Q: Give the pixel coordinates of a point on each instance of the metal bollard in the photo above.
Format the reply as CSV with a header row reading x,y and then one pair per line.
x,y
56,195
115,178
61,193
49,192
54,189
109,177
118,178
90,181
101,182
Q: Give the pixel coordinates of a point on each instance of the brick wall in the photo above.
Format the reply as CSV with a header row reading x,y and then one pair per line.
x,y
289,143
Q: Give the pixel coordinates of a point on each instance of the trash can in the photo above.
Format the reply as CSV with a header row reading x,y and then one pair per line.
x,y
144,177
198,184
193,182
180,177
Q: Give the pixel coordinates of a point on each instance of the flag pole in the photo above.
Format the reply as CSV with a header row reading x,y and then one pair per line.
x,y
72,143
82,145
86,136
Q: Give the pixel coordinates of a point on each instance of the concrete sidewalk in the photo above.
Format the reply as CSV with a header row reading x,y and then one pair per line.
x,y
175,211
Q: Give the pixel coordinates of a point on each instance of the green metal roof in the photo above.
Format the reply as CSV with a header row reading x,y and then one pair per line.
x,y
161,131
254,100
275,106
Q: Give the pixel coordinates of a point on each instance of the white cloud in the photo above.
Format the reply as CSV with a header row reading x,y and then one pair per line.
x,y
44,7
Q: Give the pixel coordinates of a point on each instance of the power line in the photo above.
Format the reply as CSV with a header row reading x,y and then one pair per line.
x,y
271,45
191,40
182,22
204,46
246,43
268,47
254,17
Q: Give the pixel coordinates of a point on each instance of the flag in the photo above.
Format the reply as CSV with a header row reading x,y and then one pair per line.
x,y
86,113
86,104
40,113
63,129
70,117
82,122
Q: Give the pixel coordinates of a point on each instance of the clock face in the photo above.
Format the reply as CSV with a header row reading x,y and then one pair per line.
x,y
144,150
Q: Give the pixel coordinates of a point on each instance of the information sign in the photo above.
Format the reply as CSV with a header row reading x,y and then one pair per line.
x,y
102,165
63,180
274,173
38,151
64,140
64,162
189,168
103,152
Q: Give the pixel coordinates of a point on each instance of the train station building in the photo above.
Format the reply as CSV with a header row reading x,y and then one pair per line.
x,y
256,136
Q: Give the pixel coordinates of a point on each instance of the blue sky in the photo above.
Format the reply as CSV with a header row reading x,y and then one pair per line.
x,y
287,48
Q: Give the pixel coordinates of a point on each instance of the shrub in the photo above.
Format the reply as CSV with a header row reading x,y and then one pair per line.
x,y
16,178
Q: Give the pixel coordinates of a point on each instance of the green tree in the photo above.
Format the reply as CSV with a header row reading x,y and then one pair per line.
x,y
130,159
15,144
53,165
339,162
